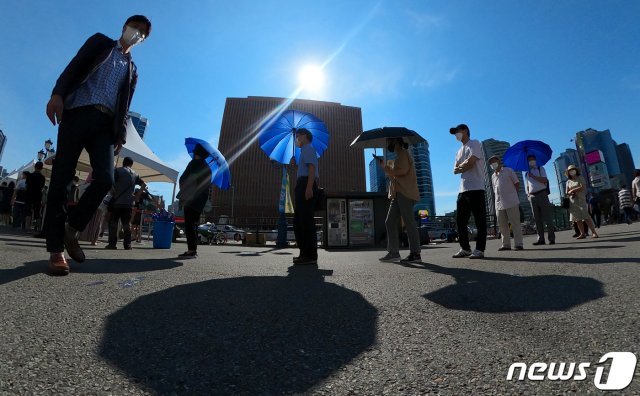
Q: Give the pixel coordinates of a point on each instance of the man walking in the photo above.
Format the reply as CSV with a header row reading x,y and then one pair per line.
x,y
471,196
403,193
538,192
121,206
94,92
505,189
306,193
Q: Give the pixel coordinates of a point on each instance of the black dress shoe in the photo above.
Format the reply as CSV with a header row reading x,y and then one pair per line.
x,y
306,261
538,243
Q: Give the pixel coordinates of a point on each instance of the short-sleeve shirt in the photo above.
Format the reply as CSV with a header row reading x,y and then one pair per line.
x,y
534,186
308,156
504,189
473,179
35,184
624,196
125,183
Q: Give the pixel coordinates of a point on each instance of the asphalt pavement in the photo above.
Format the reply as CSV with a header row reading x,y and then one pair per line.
x,y
243,320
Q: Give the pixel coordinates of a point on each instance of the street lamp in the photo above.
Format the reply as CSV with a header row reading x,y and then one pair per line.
x,y
48,150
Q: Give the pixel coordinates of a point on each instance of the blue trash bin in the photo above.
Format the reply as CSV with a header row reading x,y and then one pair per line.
x,y
162,234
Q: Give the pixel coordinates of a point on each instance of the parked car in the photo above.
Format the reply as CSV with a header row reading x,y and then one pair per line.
x,y
272,235
233,233
452,234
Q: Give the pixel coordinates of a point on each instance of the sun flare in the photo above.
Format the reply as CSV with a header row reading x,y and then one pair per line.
x,y
311,77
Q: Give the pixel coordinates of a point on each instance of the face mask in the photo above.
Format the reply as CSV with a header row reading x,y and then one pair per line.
x,y
391,147
459,136
573,172
532,163
494,166
132,36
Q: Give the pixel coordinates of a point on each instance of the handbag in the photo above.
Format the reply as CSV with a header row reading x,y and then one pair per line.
x,y
566,203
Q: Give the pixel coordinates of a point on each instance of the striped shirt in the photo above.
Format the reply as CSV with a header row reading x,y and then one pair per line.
x,y
102,86
624,196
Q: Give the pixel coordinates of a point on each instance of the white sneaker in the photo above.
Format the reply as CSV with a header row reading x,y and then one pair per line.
x,y
477,254
462,253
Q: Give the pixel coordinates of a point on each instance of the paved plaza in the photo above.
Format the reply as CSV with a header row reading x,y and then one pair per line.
x,y
243,320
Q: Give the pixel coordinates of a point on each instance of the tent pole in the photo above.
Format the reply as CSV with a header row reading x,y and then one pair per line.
x,y
173,196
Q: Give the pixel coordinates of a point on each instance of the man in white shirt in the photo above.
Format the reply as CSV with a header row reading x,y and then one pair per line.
x,y
635,187
505,189
537,190
471,195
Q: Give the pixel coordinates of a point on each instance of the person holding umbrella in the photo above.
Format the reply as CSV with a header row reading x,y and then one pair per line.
x,y
403,193
194,190
306,192
538,192
471,197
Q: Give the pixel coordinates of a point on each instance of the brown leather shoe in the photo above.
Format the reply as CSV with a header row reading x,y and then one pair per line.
x,y
58,265
71,243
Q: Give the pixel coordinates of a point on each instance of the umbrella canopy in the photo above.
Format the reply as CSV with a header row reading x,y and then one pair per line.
x,y
516,156
277,138
220,174
376,138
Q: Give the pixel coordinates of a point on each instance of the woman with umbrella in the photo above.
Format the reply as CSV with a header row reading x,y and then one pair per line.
x,y
578,208
194,190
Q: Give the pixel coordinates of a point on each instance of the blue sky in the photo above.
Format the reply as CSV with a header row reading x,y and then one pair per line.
x,y
511,70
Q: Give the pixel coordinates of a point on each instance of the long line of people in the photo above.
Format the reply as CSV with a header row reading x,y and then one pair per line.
x,y
94,93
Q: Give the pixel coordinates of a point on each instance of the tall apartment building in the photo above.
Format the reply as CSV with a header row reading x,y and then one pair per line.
x,y
139,122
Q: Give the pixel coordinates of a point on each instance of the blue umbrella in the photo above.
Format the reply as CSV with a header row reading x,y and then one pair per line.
x,y
220,174
277,137
516,156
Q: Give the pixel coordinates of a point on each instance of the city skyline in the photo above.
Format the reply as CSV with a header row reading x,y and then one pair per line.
x,y
424,65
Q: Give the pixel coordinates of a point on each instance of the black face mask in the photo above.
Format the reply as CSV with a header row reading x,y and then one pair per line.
x,y
391,147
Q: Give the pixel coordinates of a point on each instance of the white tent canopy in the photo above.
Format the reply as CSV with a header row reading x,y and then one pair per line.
x,y
146,164
28,167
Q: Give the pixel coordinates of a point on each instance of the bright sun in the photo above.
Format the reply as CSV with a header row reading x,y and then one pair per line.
x,y
311,77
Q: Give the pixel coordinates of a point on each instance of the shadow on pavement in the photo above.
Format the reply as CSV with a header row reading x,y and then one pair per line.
x,y
482,291
91,266
555,249
248,335
574,260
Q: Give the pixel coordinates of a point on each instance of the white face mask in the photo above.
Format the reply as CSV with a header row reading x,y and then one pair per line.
x,y
573,172
132,36
494,166
459,136
532,163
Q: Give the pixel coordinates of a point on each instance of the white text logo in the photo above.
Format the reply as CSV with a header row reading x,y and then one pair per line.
x,y
619,376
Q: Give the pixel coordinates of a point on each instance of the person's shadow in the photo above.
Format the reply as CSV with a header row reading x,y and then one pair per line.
x,y
247,335
92,266
482,291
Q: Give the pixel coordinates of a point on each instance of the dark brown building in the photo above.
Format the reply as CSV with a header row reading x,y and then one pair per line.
x,y
256,180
